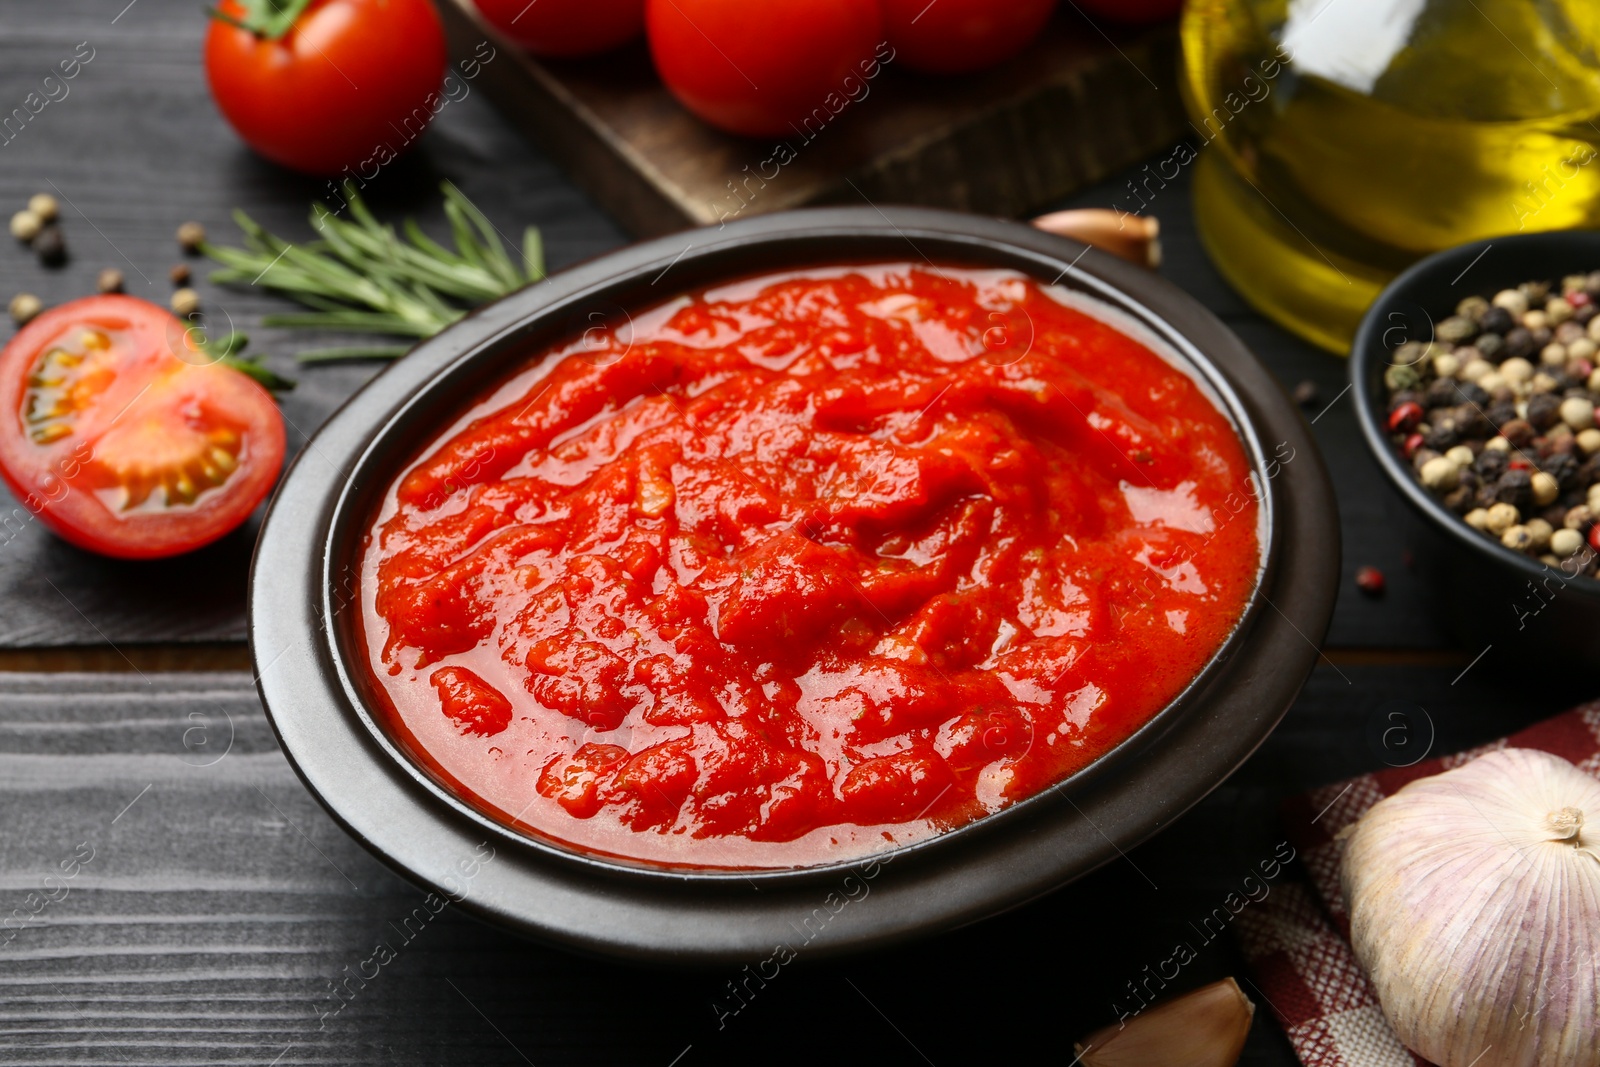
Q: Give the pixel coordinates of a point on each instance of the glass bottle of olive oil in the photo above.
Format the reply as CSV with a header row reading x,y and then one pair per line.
x,y
1340,140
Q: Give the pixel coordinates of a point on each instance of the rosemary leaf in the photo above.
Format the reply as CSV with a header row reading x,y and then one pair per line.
x,y
365,276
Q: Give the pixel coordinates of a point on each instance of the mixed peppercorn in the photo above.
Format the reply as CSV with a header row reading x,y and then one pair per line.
x,y
1497,417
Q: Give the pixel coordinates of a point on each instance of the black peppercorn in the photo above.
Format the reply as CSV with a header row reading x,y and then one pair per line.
x,y
1584,314
1519,344
1459,500
1472,422
50,246
1472,393
1544,411
1490,464
1515,488
1541,336
1563,468
1491,346
1405,396
1589,470
1443,433
1496,320
1441,392
1517,431
1501,413
1486,495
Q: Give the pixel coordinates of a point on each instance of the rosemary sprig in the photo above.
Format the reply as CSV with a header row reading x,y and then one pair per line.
x,y
363,277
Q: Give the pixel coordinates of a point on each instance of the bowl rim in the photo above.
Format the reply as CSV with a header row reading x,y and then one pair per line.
x,y
1369,355
329,502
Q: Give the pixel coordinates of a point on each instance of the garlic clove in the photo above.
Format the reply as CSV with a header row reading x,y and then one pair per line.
x,y
1474,901
1205,1028
1135,238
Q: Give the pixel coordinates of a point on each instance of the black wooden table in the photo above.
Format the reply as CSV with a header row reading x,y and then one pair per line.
x,y
219,907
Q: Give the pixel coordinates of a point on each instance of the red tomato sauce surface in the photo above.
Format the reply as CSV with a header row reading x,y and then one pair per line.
x,y
806,566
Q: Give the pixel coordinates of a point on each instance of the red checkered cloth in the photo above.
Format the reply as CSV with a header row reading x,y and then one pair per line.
x,y
1297,939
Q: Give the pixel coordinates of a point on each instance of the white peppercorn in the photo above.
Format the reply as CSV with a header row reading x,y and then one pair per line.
x,y
1564,543
1535,320
1589,441
1498,444
24,306
1593,383
1517,537
185,302
1540,532
1501,517
1578,518
1516,369
1512,300
1440,473
1553,355
1594,328
1477,518
44,205
1460,455
1578,412
1493,382
1582,348
1557,310
1476,369
1545,488
25,225
1446,365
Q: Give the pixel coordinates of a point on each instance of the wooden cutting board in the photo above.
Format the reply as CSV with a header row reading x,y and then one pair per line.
x,y
1081,102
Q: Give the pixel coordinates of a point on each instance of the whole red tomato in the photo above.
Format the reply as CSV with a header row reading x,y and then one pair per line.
x,y
956,36
1132,12
566,27
322,85
765,69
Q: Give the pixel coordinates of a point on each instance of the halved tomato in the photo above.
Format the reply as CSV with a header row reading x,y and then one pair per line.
x,y
124,437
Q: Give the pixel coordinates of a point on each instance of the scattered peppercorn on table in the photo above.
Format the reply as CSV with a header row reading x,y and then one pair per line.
x,y
175,894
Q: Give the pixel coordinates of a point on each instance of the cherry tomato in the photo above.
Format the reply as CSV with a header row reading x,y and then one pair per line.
x,y
566,27
956,36
1132,12
124,438
348,82
785,68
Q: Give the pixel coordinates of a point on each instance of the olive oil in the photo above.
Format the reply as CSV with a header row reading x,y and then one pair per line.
x,y
1340,140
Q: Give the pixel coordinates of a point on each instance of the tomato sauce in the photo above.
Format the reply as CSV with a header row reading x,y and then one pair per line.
x,y
806,566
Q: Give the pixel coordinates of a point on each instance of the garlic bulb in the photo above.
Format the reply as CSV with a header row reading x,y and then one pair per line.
x,y
1474,900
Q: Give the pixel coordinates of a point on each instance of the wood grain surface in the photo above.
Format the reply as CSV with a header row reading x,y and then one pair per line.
x,y
220,903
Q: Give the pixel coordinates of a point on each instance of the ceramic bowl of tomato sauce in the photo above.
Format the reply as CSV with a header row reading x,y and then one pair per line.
x,y
817,581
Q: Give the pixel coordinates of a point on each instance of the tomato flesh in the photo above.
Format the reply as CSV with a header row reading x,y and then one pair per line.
x,y
123,437
806,565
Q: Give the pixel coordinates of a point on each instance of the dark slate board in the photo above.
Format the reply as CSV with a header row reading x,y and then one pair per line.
x,y
221,901
137,147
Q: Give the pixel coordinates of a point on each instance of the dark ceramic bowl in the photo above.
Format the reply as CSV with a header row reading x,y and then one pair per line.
x,y
1504,604
303,609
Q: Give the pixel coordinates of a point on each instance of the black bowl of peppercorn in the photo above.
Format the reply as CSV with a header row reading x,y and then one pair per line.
x,y
1476,386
